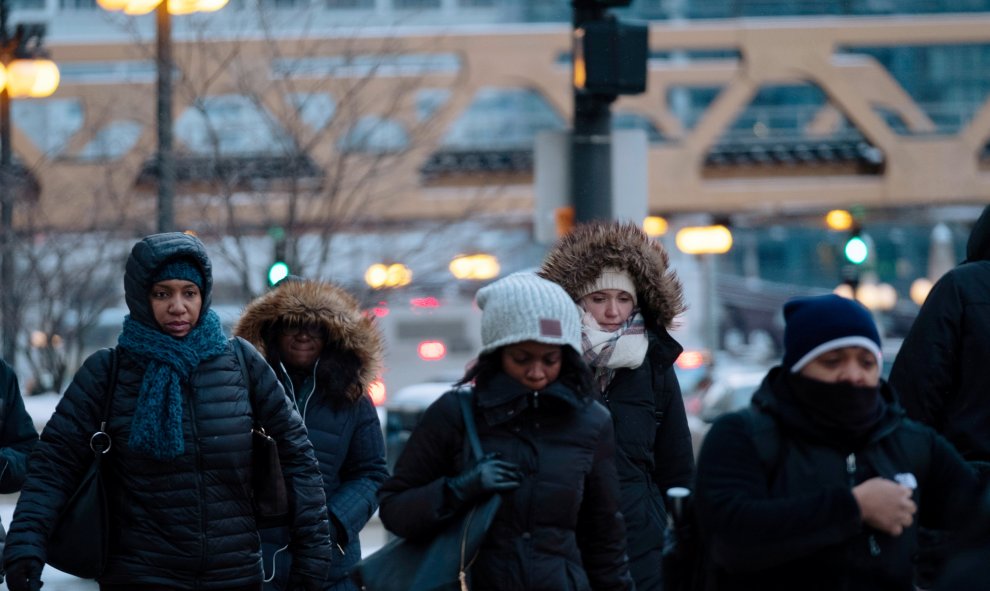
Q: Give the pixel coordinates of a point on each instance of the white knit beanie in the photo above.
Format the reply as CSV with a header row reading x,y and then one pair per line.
x,y
524,307
611,279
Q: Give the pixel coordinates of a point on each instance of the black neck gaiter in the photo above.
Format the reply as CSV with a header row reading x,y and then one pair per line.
x,y
844,413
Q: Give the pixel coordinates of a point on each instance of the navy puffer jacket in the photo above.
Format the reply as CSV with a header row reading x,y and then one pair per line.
x,y
186,523
339,416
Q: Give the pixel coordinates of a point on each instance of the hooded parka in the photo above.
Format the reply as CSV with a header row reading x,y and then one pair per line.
x,y
188,522
561,530
651,431
790,520
337,411
940,371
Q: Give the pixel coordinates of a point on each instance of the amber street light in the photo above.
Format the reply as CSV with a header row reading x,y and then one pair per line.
x,y
478,267
703,242
165,158
25,71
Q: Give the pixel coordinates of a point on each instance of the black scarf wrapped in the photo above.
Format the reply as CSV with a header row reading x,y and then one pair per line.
x,y
843,414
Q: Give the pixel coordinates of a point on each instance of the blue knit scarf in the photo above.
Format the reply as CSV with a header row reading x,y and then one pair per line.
x,y
156,430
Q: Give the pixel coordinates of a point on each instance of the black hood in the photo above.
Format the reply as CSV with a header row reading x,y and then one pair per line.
x,y
147,256
978,246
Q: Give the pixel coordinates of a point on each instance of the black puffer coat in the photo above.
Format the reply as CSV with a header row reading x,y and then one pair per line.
x,y
333,400
186,523
940,371
17,433
790,521
561,530
651,428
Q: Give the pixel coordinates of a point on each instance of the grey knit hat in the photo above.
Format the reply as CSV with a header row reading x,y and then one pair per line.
x,y
524,307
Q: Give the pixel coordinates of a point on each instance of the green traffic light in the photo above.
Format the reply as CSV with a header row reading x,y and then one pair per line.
x,y
277,272
856,250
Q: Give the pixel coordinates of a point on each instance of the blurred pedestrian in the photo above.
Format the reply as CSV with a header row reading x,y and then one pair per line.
x,y
326,353
550,453
17,437
629,297
179,468
941,372
822,482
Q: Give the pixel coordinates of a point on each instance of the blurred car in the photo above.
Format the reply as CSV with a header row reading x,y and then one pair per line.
x,y
727,387
405,408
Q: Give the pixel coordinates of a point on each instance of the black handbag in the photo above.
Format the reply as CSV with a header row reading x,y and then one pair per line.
x,y
442,562
271,500
78,543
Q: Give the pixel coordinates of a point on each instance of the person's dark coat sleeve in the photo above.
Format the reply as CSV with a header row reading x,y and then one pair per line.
x,y
352,504
309,527
59,460
951,490
601,530
413,501
925,372
748,529
672,450
17,433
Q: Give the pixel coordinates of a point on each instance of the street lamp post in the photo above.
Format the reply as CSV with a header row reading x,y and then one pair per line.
x,y
704,242
165,156
25,71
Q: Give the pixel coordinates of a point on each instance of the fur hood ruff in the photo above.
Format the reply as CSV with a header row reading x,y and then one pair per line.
x,y
323,304
578,258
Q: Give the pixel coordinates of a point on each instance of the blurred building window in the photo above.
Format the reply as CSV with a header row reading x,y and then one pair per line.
x,y
374,135
112,141
314,109
48,123
366,65
502,118
230,125
415,4
115,72
631,120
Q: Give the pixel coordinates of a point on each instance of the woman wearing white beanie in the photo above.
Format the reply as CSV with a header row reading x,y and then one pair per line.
x,y
550,453
629,298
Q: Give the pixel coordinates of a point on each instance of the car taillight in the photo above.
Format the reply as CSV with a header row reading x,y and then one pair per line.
x,y
431,350
377,392
690,359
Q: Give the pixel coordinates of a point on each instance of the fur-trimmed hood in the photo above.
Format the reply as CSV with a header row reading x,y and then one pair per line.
x,y
326,305
577,259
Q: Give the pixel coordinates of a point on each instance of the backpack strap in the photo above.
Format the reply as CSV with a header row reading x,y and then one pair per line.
x,y
765,435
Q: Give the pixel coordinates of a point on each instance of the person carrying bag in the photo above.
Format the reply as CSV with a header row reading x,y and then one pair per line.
x,y
549,455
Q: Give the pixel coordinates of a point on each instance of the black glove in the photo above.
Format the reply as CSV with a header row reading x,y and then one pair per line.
x,y
24,574
488,475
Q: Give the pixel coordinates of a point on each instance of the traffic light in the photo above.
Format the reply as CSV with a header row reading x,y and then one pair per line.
x,y
857,247
279,269
610,56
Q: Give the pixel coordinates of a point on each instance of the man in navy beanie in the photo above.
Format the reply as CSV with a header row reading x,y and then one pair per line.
x,y
821,483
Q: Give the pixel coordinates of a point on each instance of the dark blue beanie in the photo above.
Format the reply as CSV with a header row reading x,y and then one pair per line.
x,y
181,268
818,324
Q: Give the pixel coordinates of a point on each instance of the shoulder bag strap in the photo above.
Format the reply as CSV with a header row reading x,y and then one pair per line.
x,y
100,441
465,396
242,363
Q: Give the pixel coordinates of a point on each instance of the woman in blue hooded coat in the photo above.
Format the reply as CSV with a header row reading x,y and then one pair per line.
x,y
179,468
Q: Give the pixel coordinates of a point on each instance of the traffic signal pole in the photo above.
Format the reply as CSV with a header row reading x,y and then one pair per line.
x,y
591,140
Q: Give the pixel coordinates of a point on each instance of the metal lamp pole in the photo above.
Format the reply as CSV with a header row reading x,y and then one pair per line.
x,y
6,198
165,156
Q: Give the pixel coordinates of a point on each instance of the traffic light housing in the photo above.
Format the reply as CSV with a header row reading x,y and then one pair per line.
x,y
610,56
279,269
